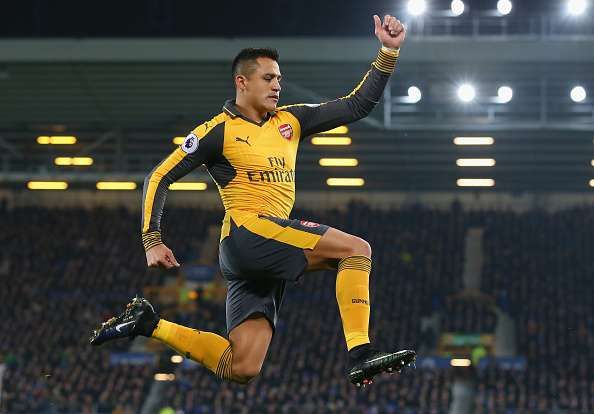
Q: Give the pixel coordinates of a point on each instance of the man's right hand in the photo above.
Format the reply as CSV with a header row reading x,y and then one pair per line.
x,y
161,255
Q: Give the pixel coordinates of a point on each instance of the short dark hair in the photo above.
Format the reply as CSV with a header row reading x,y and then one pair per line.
x,y
245,61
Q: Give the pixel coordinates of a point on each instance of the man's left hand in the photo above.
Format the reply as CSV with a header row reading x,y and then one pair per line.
x,y
390,32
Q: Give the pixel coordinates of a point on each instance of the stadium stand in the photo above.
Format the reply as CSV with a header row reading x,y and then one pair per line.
x,y
65,269
539,266
75,267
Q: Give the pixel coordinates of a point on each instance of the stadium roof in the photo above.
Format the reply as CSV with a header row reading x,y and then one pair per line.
x,y
125,100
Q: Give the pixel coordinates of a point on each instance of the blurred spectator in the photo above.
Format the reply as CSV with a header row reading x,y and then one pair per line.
x,y
468,317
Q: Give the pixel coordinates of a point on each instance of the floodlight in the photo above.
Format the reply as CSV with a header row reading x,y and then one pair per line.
x,y
416,7
578,94
505,94
466,92
504,7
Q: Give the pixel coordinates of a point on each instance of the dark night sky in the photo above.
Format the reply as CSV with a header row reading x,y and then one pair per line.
x,y
164,18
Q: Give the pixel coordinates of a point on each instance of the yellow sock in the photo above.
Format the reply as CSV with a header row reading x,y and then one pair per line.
x,y
352,295
209,349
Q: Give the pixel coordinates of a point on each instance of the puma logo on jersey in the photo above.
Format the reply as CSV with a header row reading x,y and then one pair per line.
x,y
243,140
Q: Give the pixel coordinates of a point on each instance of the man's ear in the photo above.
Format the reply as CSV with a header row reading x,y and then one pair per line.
x,y
240,82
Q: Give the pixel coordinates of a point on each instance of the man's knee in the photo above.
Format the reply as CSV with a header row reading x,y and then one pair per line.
x,y
358,247
244,372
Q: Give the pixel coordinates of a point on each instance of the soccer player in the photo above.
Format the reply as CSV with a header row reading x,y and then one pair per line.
x,y
250,150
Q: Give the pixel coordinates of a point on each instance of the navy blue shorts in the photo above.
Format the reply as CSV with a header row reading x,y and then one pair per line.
x,y
258,257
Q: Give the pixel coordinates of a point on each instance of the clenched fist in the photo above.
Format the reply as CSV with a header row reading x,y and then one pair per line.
x,y
390,32
161,255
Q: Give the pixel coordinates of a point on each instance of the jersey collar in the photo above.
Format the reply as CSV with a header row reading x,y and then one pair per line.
x,y
233,111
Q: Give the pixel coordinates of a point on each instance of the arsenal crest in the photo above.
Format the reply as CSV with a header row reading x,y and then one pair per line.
x,y
286,131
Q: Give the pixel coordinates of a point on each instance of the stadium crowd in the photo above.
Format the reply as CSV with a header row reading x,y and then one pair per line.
x,y
67,269
64,270
539,267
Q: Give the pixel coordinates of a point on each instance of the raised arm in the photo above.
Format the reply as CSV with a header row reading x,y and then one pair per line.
x,y
315,118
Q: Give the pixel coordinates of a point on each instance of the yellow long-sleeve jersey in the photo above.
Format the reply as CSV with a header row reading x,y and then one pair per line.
x,y
253,164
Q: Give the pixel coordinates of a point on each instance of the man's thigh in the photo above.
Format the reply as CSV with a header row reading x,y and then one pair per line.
x,y
334,246
286,248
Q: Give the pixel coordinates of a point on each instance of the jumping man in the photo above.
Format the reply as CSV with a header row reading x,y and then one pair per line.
x,y
250,150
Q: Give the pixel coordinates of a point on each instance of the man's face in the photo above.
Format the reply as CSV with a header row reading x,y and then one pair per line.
x,y
262,87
